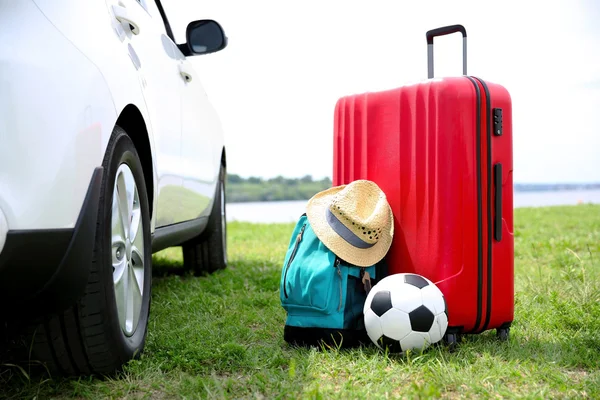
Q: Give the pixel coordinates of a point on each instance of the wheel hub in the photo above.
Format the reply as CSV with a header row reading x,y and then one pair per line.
x,y
127,234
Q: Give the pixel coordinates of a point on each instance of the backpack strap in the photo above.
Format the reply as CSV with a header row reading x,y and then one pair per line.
x,y
366,279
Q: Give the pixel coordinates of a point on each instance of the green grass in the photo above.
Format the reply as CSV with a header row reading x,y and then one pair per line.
x,y
221,336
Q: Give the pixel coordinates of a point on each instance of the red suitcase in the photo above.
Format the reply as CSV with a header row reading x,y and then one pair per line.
x,y
441,150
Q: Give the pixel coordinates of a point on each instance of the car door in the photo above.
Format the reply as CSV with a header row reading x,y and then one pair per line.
x,y
154,55
199,152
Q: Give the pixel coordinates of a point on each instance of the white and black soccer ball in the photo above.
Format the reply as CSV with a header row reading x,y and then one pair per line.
x,y
405,311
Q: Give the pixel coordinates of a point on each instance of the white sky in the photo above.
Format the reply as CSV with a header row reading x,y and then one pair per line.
x,y
276,84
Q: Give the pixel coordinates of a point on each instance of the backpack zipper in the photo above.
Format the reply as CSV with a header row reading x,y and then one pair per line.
x,y
339,272
287,267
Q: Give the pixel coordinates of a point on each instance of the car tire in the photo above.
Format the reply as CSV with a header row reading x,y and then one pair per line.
x,y
207,252
101,331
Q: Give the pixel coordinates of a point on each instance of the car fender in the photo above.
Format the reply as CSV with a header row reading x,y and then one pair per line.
x,y
56,115
95,34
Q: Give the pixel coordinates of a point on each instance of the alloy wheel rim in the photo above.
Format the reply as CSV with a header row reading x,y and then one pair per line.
x,y
127,238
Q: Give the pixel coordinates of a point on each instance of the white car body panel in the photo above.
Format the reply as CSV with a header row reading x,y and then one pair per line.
x,y
200,136
52,131
59,104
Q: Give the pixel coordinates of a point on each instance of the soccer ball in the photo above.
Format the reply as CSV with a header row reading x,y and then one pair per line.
x,y
405,311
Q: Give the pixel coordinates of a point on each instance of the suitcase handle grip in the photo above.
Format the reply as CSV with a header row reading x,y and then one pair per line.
x,y
445,30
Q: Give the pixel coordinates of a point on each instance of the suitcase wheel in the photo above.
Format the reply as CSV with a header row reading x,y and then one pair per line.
x,y
503,333
451,340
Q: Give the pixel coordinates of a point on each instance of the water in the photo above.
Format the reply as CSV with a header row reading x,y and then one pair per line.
x,y
290,211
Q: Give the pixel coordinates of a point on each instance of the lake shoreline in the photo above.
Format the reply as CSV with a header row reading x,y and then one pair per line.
x,y
582,188
286,211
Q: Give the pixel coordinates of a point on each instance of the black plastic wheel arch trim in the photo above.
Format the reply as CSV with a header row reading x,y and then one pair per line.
x,y
75,266
66,275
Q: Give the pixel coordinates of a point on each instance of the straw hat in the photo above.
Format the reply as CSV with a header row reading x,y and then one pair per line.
x,y
354,221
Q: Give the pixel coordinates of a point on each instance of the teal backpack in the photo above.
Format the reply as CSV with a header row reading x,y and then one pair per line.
x,y
322,294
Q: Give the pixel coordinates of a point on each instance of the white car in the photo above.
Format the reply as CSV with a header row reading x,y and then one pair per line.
x,y
109,151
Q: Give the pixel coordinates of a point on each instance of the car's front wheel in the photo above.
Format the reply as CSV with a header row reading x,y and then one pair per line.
x,y
107,327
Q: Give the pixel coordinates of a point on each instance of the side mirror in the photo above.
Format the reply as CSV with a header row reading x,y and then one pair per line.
x,y
203,37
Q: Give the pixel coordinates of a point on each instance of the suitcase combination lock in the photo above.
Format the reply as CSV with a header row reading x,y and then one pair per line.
x,y
497,121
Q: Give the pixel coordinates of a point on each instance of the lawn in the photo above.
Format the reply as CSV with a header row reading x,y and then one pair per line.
x,y
221,336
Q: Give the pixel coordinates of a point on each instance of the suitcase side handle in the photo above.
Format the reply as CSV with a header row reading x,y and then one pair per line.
x,y
498,202
445,30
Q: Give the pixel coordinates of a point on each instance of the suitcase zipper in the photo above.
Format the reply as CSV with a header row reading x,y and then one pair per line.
x,y
287,267
479,207
339,272
488,113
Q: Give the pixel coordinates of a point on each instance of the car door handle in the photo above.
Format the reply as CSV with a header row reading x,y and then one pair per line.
x,y
185,72
125,16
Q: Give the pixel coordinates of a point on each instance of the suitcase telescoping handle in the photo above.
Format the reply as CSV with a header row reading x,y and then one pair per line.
x,y
445,30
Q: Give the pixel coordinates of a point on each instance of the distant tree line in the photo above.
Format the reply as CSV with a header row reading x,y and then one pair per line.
x,y
274,189
537,187
279,188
